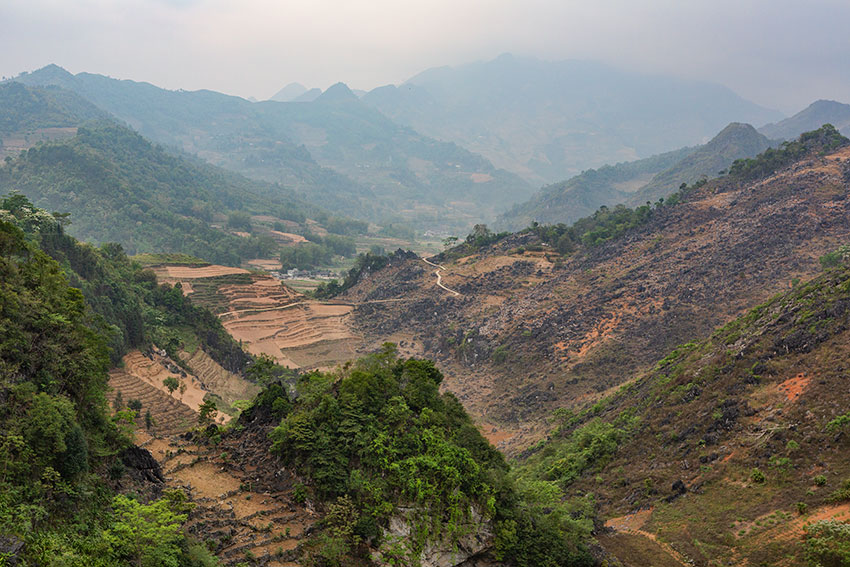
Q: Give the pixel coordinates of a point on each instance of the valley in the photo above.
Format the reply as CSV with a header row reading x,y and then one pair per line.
x,y
339,327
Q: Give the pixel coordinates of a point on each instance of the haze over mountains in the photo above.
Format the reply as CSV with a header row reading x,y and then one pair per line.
x,y
550,120
336,151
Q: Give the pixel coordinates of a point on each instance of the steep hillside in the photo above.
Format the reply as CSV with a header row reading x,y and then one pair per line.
x,y
811,117
367,166
539,324
550,120
732,450
65,459
119,187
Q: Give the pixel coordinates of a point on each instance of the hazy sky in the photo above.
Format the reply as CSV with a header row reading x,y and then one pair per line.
x,y
780,53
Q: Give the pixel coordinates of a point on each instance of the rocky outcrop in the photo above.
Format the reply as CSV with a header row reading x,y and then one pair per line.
x,y
472,549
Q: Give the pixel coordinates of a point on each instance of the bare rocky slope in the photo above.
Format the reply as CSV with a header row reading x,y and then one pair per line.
x,y
532,331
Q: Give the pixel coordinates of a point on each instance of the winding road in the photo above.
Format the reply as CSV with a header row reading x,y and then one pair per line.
x,y
440,278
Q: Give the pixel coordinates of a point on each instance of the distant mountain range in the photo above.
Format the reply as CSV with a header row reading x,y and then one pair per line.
x,y
550,120
634,183
336,151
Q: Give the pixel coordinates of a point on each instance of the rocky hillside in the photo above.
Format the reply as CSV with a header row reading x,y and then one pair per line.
x,y
532,330
732,450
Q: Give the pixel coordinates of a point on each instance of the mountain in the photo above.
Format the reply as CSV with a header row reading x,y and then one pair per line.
x,y
119,187
55,343
308,96
732,448
552,317
635,183
366,165
550,120
289,92
817,113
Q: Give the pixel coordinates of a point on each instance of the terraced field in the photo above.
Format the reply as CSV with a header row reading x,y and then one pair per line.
x,y
244,515
268,317
170,416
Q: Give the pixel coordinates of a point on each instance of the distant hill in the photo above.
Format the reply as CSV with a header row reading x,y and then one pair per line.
x,y
550,120
31,115
308,96
582,195
365,164
736,141
635,183
119,187
23,108
818,113
289,92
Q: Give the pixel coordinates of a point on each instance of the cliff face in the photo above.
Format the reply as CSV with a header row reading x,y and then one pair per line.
x,y
532,331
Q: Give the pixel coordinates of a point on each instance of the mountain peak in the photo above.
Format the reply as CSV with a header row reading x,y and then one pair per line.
x,y
337,93
54,71
289,92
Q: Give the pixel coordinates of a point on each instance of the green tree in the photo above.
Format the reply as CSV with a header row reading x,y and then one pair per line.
x,y
171,383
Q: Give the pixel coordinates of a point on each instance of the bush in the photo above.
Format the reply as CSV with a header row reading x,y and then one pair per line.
x,y
757,476
828,544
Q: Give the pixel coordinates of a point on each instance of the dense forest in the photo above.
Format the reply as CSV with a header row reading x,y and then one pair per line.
x,y
61,449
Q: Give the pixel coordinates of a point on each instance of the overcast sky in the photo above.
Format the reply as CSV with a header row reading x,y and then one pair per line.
x,y
781,54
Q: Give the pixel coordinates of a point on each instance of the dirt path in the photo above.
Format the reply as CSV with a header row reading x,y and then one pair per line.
x,y
636,547
440,278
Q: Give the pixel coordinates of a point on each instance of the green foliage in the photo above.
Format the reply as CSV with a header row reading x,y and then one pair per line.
x,y
207,412
835,258
604,225
828,544
820,480
148,535
171,383
134,311
842,494
824,139
838,423
239,220
757,476
379,435
120,187
55,427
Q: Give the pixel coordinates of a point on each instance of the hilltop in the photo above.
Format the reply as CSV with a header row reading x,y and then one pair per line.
x,y
811,117
556,316
550,120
